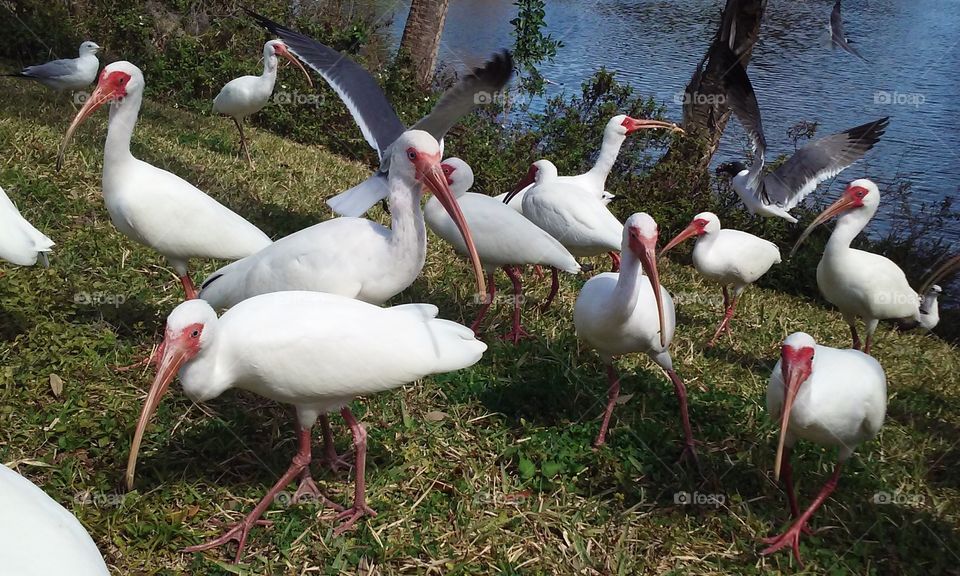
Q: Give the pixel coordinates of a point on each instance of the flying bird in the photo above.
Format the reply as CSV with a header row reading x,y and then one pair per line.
x,y
68,73
781,190
374,114
837,36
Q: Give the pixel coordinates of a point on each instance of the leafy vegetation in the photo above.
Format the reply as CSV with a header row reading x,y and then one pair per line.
x,y
486,470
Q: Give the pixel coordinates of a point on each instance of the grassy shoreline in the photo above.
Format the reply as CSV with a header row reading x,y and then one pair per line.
x,y
489,470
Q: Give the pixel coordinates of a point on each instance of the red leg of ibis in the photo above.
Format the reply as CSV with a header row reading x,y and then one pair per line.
x,y
689,448
517,332
786,472
855,336
188,287
239,533
359,508
792,536
243,142
491,292
554,288
727,316
330,456
866,348
613,392
538,271
614,261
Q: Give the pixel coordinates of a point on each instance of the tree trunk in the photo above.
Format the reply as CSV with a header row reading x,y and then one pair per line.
x,y
705,112
421,37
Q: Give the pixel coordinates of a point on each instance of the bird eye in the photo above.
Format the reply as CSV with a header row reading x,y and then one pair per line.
x,y
412,154
195,333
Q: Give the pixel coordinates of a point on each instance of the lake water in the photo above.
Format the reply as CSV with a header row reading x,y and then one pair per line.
x,y
913,75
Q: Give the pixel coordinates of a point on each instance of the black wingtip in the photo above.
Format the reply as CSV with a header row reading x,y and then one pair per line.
x,y
870,132
273,27
498,70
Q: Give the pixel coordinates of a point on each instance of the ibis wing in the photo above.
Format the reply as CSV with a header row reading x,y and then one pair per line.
x,y
789,184
359,90
481,86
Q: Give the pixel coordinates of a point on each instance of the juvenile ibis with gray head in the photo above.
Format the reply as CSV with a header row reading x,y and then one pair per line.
x,y
727,257
20,242
861,284
504,238
152,206
354,257
67,73
628,312
315,351
247,95
375,116
831,397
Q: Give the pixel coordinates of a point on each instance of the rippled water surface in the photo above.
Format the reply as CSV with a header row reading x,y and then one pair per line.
x,y
913,75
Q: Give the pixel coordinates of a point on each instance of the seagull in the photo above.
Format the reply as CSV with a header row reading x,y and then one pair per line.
x,y
39,537
930,308
837,37
861,284
835,398
68,73
247,95
504,238
20,242
315,351
375,115
781,190
727,257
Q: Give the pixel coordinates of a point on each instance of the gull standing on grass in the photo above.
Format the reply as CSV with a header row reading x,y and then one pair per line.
x,y
68,73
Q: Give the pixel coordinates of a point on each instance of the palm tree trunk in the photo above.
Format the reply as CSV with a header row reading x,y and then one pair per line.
x,y
421,37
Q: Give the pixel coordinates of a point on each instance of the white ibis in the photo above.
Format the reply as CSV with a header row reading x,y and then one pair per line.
x,y
20,242
315,351
540,172
68,73
930,308
594,181
727,257
781,190
504,238
628,312
832,397
838,39
861,284
152,206
354,257
373,113
247,95
39,537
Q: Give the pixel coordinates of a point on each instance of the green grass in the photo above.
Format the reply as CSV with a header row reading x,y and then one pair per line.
x,y
504,480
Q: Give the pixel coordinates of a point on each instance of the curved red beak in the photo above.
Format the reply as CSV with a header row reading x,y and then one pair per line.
x,y
645,249
172,356
103,93
282,50
690,231
843,203
528,179
430,173
634,124
795,368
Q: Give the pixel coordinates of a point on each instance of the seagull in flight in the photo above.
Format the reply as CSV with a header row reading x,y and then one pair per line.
x,y
837,37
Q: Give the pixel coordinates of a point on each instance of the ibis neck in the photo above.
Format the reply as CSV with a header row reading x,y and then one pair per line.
x,y
269,74
849,225
123,118
626,294
609,151
409,235
207,376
